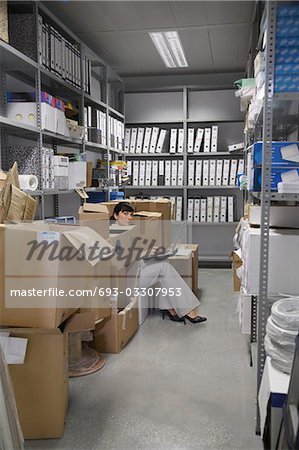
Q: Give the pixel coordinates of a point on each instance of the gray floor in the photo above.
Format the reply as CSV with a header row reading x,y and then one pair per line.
x,y
172,387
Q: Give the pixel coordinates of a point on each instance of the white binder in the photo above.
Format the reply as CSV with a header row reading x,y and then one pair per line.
x,y
196,209
198,173
141,181
179,207
203,209
155,173
148,173
161,173
190,140
207,140
210,204
223,207
233,172
225,175
147,140
190,209
198,140
216,209
161,141
133,140
129,168
230,209
214,139
167,172
240,167
180,180
219,169
174,172
154,139
139,141
205,172
212,172
181,141
173,140
191,167
135,173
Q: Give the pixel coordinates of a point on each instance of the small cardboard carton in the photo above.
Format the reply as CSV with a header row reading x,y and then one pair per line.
x,y
236,263
95,216
112,335
194,250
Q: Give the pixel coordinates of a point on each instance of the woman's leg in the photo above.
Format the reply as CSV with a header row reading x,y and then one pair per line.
x,y
183,301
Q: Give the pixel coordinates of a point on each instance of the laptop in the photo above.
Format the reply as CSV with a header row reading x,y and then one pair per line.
x,y
171,251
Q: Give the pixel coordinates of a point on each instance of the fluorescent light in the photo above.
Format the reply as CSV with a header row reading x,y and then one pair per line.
x,y
170,48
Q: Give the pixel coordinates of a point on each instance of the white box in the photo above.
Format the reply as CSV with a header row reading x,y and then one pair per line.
x,y
103,128
198,140
139,141
141,180
190,209
196,209
25,112
223,208
219,169
161,141
154,139
180,180
216,209
203,209
190,140
207,140
214,139
144,303
77,174
212,172
210,203
191,168
148,173
230,209
198,172
147,140
181,141
233,172
173,140
205,172
280,216
133,140
174,173
179,208
135,173
155,173
235,147
225,174
167,172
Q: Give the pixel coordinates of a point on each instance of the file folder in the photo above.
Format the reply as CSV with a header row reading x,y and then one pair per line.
x,y
155,173
180,148
174,173
223,207
154,139
210,204
135,173
127,139
198,172
198,140
233,172
179,208
180,180
133,140
190,140
191,168
161,141
168,173
173,140
230,209
139,140
196,209
219,169
161,174
147,140
205,172
148,173
216,210
225,175
212,173
141,181
203,209
214,139
190,209
207,140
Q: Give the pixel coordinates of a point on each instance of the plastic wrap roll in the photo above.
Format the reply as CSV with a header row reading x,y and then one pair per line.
x,y
285,313
283,338
282,358
28,182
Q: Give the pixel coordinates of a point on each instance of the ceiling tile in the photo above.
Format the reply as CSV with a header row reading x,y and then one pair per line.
x,y
155,14
224,12
224,46
197,49
189,13
123,15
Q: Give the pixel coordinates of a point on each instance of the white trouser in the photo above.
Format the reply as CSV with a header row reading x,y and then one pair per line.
x,y
164,273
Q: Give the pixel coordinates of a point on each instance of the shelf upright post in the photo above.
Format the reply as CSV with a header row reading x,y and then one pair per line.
x,y
185,159
266,189
3,110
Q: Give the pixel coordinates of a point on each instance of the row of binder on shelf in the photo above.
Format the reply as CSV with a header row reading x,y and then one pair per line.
x,y
211,209
96,128
156,140
214,172
156,173
62,57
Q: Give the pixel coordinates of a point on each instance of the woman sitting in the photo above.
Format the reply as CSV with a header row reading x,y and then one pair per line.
x,y
177,307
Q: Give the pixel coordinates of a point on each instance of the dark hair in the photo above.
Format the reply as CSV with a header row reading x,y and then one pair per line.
x,y
121,207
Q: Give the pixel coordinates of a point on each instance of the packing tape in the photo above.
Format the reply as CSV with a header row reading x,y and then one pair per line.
x,y
28,182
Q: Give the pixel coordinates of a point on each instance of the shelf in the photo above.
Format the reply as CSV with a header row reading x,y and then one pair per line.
x,y
212,187
114,150
57,84
154,187
95,101
204,154
114,111
38,193
214,121
214,258
18,128
286,96
94,146
13,60
275,196
155,122
60,137
95,189
202,224
153,155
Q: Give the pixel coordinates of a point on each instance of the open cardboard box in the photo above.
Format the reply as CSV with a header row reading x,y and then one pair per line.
x,y
95,216
41,382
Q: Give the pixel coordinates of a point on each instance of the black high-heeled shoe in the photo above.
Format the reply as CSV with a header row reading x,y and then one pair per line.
x,y
172,317
197,319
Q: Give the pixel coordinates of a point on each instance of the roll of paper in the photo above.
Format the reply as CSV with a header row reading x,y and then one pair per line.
x,y
28,182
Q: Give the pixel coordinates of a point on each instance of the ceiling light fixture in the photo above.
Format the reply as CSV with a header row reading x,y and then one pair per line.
x,y
170,48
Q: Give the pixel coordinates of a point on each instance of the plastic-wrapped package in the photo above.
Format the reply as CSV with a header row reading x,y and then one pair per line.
x,y
285,313
11,436
281,358
282,337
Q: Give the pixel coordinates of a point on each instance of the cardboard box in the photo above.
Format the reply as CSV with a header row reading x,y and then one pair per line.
x,y
2,180
88,173
16,205
52,263
95,216
183,265
194,250
236,263
283,154
280,216
111,336
77,174
278,175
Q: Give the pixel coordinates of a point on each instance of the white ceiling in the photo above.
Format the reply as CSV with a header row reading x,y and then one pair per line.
x,y
214,34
